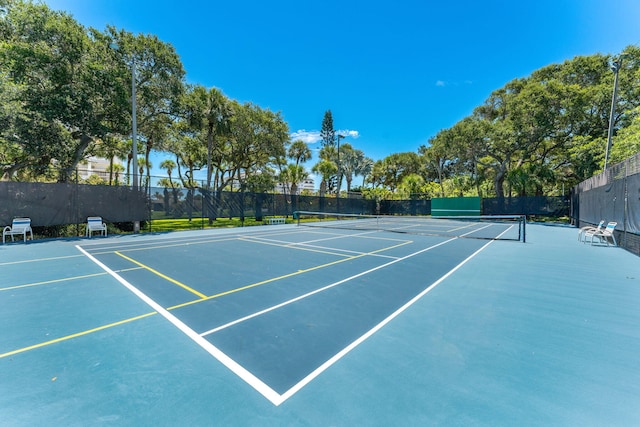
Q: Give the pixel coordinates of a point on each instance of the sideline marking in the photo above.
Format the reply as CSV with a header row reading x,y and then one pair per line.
x,y
231,364
175,282
76,335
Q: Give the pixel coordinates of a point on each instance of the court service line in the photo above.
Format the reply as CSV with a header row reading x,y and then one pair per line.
x,y
155,245
231,364
316,291
103,248
303,246
290,245
315,248
307,243
285,276
175,282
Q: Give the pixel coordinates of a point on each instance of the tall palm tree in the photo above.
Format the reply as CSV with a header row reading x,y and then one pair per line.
x,y
329,153
326,169
142,164
364,168
218,113
299,151
115,169
169,165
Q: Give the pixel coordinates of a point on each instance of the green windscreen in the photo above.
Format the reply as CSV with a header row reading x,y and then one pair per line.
x,y
455,206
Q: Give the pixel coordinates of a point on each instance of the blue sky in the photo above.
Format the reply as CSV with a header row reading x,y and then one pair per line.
x,y
392,73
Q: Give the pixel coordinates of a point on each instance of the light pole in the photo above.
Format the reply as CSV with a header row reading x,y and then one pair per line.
x,y
615,67
134,130
134,124
134,121
339,175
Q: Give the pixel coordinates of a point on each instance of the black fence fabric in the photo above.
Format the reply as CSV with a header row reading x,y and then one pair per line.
x,y
200,203
50,204
546,206
612,196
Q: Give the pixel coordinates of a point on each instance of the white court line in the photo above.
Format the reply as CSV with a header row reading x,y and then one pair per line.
x,y
154,241
261,387
334,251
332,285
306,380
247,376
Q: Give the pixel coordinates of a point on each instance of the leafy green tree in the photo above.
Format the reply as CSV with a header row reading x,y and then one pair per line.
x,y
209,111
412,185
627,141
390,171
262,182
68,92
159,84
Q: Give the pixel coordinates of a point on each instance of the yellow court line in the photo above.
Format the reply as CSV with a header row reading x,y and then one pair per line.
x,y
203,298
76,335
296,273
175,282
47,282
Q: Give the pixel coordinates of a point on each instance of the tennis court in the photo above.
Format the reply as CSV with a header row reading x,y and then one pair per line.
x,y
291,325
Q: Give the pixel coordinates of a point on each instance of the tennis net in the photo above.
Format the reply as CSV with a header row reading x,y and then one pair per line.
x,y
489,227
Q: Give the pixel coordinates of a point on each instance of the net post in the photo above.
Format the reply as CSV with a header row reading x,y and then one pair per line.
x,y
524,229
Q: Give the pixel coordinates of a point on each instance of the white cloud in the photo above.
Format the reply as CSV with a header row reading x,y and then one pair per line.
x,y
354,134
313,136
310,137
440,83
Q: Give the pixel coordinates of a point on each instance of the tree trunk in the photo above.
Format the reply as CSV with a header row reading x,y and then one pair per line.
x,y
77,156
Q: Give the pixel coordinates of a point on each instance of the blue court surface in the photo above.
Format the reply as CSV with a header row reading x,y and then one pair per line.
x,y
284,325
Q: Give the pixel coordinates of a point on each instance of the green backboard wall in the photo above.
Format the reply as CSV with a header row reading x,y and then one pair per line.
x,y
456,206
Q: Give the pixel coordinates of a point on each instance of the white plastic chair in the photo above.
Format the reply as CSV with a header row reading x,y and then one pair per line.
x,y
589,229
17,227
94,223
604,235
